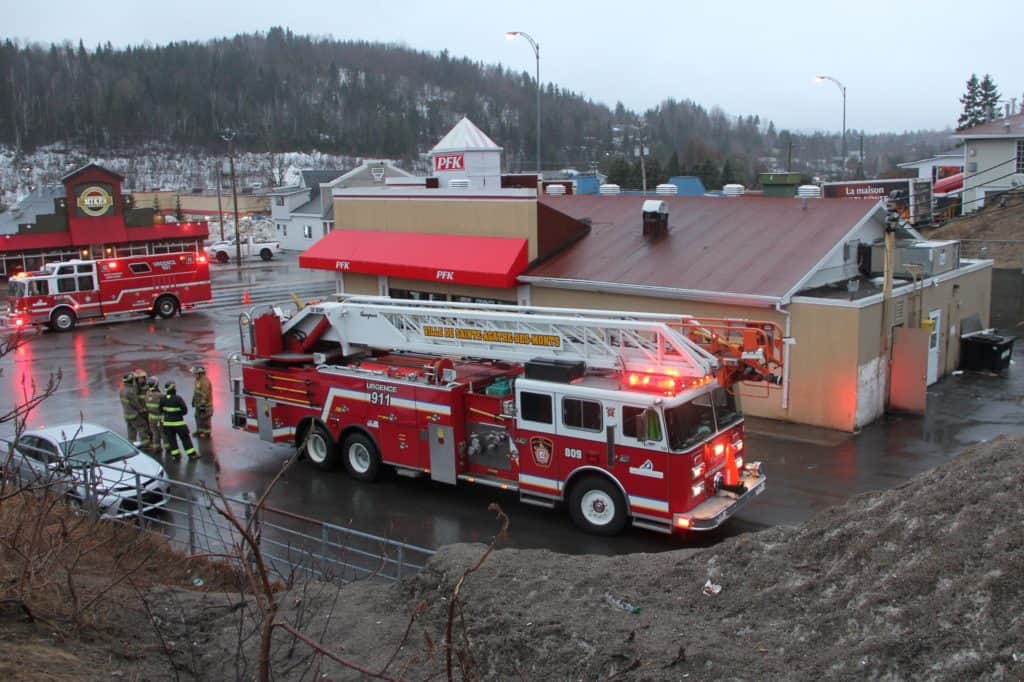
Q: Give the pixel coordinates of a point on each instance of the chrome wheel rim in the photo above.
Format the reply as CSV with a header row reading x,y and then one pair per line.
x,y
359,458
316,448
598,507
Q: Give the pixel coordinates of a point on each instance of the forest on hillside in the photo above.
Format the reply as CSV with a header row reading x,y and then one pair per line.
x,y
284,92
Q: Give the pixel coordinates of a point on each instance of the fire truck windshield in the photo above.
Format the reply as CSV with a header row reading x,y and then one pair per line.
x,y
693,422
15,288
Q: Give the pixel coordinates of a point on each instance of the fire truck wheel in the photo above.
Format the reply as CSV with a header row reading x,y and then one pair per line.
x,y
223,257
319,448
360,457
596,506
166,306
266,254
63,319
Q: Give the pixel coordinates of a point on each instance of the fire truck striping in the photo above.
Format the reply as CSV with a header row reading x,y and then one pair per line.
x,y
433,408
648,503
252,424
279,399
539,482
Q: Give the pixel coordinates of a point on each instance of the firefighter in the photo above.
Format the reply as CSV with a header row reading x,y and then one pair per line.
x,y
142,420
130,407
156,427
202,401
173,411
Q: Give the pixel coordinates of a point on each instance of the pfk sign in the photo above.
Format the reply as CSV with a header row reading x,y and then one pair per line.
x,y
449,162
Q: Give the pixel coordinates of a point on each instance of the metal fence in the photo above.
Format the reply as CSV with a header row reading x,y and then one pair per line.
x,y
295,548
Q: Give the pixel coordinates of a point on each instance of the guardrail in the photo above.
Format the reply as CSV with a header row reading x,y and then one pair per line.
x,y
295,548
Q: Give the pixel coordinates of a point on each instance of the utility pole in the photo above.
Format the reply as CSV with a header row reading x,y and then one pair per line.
x,y
220,207
229,137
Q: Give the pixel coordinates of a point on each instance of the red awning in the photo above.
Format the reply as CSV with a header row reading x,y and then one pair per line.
x,y
950,183
448,258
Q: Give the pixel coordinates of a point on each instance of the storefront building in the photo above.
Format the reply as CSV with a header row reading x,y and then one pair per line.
x,y
87,217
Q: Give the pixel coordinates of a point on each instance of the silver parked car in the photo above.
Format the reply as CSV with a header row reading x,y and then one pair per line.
x,y
92,465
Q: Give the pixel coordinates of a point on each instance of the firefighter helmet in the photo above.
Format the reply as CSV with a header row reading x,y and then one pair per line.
x,y
128,376
170,386
198,369
139,373
153,382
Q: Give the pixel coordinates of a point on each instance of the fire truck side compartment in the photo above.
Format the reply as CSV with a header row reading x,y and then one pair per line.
x,y
561,371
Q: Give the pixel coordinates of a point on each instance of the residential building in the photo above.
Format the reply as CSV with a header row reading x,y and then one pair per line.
x,y
993,160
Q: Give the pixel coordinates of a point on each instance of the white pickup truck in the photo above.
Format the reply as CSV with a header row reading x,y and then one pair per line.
x,y
225,251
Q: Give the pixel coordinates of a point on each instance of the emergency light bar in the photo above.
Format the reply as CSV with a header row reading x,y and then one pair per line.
x,y
668,382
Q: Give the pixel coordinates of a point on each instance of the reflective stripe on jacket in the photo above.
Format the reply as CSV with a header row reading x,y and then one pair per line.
x,y
173,409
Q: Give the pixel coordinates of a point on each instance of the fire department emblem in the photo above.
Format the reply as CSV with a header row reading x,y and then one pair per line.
x,y
541,449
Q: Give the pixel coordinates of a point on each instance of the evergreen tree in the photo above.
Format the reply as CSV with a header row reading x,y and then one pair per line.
x,y
988,98
672,168
972,114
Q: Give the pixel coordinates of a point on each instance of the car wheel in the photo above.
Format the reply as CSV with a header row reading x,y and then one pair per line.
x,y
166,306
319,448
223,257
63,319
597,507
266,254
360,456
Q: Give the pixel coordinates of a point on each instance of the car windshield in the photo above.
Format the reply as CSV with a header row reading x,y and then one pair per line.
x,y
693,422
690,423
727,408
103,448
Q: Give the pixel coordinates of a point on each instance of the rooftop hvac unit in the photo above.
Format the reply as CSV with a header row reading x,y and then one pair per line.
x,y
655,218
733,190
459,183
554,190
808,192
609,189
925,258
666,188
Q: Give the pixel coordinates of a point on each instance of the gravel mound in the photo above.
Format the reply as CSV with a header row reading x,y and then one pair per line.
x,y
925,581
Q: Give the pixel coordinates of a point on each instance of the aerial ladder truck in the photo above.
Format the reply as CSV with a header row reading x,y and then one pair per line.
x,y
622,417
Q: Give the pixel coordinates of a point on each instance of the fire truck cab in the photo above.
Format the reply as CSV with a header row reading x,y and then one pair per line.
x,y
622,417
65,294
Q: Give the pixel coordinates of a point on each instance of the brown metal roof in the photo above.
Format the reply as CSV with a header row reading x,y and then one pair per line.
x,y
754,246
1011,126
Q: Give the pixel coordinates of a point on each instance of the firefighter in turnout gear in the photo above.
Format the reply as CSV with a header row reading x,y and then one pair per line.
x,y
202,401
156,426
173,411
142,420
130,407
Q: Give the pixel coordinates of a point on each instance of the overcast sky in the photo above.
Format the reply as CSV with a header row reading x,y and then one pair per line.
x,y
904,62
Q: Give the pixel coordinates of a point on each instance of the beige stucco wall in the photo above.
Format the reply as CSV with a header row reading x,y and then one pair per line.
x,y
365,285
461,216
202,203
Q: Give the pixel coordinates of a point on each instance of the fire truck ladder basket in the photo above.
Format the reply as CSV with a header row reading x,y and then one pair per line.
x,y
600,339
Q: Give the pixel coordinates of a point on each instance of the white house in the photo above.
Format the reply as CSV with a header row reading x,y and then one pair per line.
x,y
993,159
939,166
304,213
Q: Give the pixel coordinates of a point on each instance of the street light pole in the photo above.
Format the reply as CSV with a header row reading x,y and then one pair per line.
x,y
229,136
512,35
842,89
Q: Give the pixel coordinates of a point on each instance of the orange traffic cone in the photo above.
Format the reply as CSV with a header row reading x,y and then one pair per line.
x,y
245,297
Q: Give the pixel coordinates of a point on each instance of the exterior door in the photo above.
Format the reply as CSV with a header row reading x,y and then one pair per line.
x,y
909,372
933,345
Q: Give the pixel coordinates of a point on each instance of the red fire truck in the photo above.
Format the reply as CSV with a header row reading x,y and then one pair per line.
x,y
623,417
73,292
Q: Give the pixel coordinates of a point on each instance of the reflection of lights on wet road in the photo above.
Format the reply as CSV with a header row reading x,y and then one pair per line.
x,y
81,373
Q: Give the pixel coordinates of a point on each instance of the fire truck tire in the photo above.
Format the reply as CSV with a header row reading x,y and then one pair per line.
x,y
63,319
360,457
223,257
166,306
596,506
319,448
266,254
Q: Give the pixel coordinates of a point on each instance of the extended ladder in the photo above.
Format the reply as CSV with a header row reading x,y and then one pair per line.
x,y
643,342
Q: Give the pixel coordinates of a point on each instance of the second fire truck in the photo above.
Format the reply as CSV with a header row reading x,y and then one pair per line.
x,y
623,417
63,295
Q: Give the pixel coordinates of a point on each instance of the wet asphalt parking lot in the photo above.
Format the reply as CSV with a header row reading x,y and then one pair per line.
x,y
808,469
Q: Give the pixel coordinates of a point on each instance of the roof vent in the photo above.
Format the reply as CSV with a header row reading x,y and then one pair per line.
x,y
733,190
808,192
459,183
554,190
609,189
655,217
666,188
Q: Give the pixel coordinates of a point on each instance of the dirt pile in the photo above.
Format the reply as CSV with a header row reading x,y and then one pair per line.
x,y
923,581
1003,221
